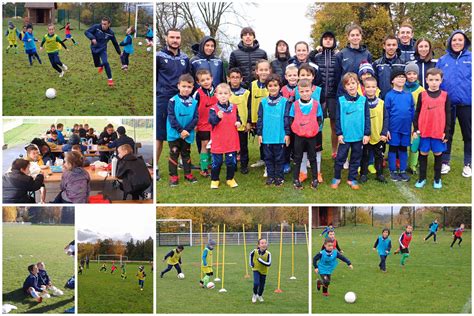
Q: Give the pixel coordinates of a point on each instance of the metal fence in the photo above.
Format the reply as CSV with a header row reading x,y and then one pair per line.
x,y
231,238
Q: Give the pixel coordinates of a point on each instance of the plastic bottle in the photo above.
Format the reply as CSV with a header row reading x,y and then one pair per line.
x,y
114,166
415,143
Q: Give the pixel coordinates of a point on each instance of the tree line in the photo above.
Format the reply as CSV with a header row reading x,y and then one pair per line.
x,y
139,250
39,215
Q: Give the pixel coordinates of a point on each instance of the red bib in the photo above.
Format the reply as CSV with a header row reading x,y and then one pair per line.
x,y
432,119
224,136
205,103
406,240
305,125
287,93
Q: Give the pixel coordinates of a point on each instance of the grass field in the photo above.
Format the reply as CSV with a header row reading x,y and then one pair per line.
x,y
82,91
101,292
27,244
185,296
252,188
436,279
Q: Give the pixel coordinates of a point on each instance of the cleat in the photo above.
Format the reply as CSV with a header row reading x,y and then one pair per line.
x,y
353,184
363,178
232,183
437,184
404,176
381,179
372,169
303,176
270,181
110,82
445,168
314,184
215,184
335,183
394,176
297,184
100,70
420,184
174,181
190,178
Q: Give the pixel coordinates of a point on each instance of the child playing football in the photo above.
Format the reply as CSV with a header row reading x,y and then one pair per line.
x,y
383,244
141,275
123,275
404,241
260,261
206,266
457,233
173,258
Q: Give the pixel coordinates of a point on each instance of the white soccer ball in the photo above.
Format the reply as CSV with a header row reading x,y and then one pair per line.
x,y
148,49
140,43
350,297
211,285
51,93
180,275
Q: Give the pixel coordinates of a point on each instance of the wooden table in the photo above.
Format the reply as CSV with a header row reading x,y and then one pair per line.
x,y
149,201
51,177
93,149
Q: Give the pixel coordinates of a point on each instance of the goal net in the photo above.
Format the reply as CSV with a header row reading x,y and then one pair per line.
x,y
107,258
173,232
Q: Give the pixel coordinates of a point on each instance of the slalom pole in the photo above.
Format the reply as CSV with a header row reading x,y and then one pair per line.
x,y
307,241
246,276
259,228
202,248
217,267
223,290
279,290
292,252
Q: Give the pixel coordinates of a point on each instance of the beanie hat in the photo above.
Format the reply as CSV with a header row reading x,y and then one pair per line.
x,y
396,72
412,67
365,67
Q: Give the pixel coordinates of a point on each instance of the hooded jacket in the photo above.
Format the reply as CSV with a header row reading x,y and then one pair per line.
x,y
456,67
75,185
279,63
17,185
383,68
326,61
245,59
134,173
407,52
210,62
348,60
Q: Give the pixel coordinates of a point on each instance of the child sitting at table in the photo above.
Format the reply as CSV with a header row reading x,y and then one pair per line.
x,y
77,148
18,184
73,140
107,136
53,138
133,172
90,136
75,181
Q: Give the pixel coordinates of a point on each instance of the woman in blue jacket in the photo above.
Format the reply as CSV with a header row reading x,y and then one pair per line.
x,y
456,65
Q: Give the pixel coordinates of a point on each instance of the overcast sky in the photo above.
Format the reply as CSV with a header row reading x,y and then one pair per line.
x,y
139,221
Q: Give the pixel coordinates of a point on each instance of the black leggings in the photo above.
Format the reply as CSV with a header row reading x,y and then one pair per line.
x,y
301,145
326,279
454,241
33,56
170,266
431,234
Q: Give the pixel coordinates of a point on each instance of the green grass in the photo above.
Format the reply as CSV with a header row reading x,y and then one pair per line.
x,y
101,292
82,91
252,188
27,244
436,279
185,296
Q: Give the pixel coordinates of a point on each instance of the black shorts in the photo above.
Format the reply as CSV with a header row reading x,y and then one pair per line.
x,y
404,250
330,108
319,142
204,135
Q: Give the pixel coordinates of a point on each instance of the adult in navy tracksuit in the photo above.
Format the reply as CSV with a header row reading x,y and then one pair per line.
x,y
406,43
206,59
100,35
326,60
350,57
424,59
171,63
456,65
384,66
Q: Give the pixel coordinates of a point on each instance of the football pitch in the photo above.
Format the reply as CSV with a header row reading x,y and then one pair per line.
x,y
28,244
186,296
436,279
103,292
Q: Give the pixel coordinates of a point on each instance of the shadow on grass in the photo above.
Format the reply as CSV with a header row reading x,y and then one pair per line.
x,y
18,296
45,309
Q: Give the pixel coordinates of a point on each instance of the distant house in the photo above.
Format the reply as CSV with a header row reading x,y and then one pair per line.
x,y
41,12
322,216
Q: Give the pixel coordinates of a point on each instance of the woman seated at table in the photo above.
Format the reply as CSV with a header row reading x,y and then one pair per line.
x,y
18,186
75,181
107,136
74,140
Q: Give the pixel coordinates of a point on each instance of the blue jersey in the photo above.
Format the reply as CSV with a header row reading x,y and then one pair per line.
x,y
272,118
43,277
31,281
352,118
29,41
400,108
326,261
128,44
434,227
182,115
316,95
383,245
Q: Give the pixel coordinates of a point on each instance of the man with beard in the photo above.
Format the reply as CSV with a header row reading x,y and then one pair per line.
x,y
171,63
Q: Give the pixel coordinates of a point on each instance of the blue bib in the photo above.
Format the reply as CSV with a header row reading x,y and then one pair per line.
x,y
327,263
383,246
184,115
273,131
352,115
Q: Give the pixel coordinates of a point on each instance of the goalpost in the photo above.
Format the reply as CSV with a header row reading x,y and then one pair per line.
x,y
171,238
118,258
137,7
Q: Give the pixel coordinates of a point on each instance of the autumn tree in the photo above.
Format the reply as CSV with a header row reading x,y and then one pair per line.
x,y
9,214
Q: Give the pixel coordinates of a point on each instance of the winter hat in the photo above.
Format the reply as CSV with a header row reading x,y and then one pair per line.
x,y
397,72
365,67
412,67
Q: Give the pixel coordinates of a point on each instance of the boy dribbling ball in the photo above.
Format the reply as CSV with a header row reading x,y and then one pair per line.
x,y
50,42
173,259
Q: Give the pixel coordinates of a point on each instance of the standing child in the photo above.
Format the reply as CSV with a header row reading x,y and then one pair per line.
x,y
327,259
205,98
332,237
50,42
12,33
67,33
113,268
432,124
378,132
404,241
225,121
399,106
433,230
383,245
180,124
240,97
352,130
273,130
30,46
260,261
258,91
123,274
173,259
149,35
457,234
103,268
306,119
206,260
327,229
141,275
365,71
128,47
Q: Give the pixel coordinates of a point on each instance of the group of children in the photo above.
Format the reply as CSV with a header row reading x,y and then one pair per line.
x,y
141,274
38,284
288,120
325,262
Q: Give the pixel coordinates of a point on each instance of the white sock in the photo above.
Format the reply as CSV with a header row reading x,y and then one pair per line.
x,y
318,160
34,294
304,163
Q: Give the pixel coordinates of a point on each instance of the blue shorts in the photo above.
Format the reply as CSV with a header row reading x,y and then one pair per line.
x,y
30,51
399,139
68,36
433,144
161,116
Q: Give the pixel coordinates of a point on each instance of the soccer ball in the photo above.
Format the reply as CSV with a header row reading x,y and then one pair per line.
x,y
51,93
211,285
181,276
148,49
140,43
350,297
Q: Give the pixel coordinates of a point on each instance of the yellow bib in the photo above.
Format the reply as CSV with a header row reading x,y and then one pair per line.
x,y
416,93
241,102
51,45
257,266
257,95
376,122
174,259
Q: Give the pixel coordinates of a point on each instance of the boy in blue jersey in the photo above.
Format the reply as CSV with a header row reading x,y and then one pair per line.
x,y
43,279
327,259
180,124
273,130
31,285
30,46
127,44
383,245
400,109
352,130
433,230
327,229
